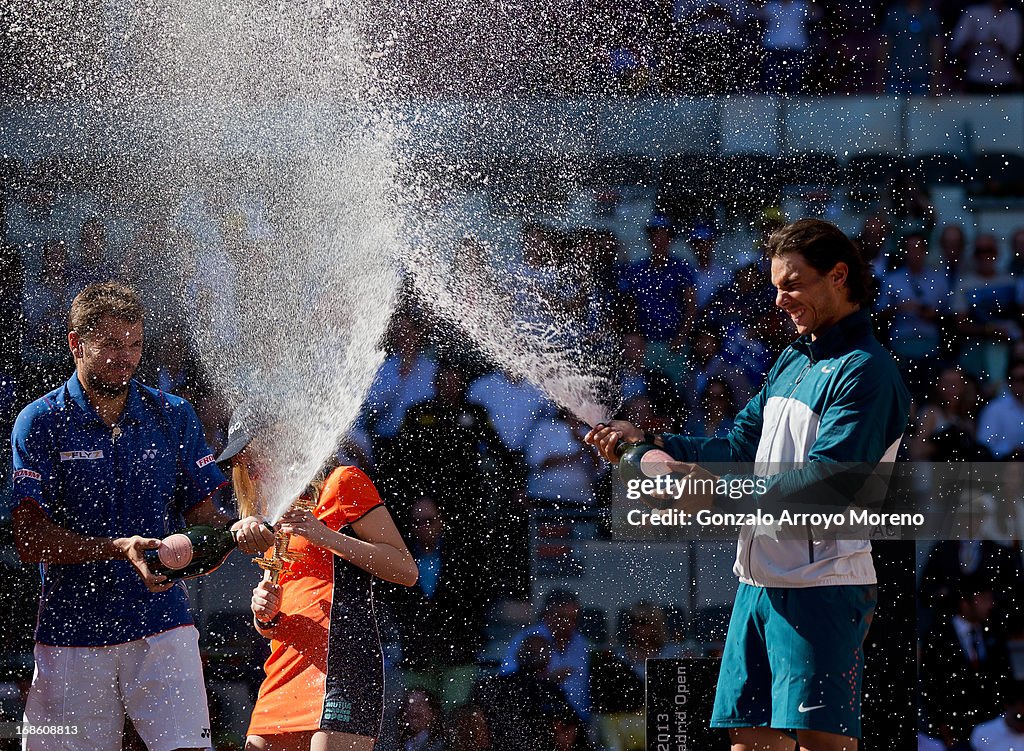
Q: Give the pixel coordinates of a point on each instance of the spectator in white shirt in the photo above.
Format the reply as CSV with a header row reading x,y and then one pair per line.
x,y
987,40
912,299
787,44
404,379
709,275
513,404
562,468
1005,732
1001,424
570,654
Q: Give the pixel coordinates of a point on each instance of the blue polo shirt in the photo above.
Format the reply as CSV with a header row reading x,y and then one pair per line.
x,y
140,483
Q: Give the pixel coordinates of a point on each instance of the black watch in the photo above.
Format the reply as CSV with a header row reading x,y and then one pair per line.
x,y
267,625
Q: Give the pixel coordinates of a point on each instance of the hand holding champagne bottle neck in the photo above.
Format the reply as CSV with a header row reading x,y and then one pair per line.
x,y
253,535
606,437
622,446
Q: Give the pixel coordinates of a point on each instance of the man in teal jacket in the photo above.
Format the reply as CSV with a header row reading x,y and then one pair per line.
x,y
793,657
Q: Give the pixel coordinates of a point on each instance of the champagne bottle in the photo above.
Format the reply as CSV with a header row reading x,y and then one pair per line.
x,y
644,461
641,461
194,551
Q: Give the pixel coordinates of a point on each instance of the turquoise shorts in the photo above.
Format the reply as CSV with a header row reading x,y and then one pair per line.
x,y
794,659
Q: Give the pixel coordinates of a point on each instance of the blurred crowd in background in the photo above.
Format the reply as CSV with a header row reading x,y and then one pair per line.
x,y
453,48
701,47
491,483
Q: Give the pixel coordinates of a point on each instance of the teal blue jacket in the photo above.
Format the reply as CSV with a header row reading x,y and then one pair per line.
x,y
827,405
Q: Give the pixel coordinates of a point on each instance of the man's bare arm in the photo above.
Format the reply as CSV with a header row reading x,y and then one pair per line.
x,y
39,540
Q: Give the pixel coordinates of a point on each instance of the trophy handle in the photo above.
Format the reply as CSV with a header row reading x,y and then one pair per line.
x,y
274,565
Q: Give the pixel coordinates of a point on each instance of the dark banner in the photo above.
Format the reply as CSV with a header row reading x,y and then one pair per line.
x,y
680,696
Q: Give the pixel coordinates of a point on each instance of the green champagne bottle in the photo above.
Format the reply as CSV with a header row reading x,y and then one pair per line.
x,y
194,551
641,461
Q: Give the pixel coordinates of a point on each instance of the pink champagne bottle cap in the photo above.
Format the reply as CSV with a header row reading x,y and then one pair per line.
x,y
175,551
654,463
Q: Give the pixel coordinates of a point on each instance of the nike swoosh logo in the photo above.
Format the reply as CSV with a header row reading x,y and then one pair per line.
x,y
801,708
825,369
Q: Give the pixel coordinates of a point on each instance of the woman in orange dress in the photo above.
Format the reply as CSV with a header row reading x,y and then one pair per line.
x,y
324,689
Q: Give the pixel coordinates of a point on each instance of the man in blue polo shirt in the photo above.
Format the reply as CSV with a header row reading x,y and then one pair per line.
x,y
793,657
103,468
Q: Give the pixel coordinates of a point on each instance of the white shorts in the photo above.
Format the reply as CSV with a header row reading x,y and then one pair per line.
x,y
79,695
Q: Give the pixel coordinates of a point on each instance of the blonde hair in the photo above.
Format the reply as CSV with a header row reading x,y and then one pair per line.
x,y
245,491
247,498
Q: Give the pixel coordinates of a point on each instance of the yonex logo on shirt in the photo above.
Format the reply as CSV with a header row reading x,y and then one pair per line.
x,y
208,459
27,474
149,454
69,456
